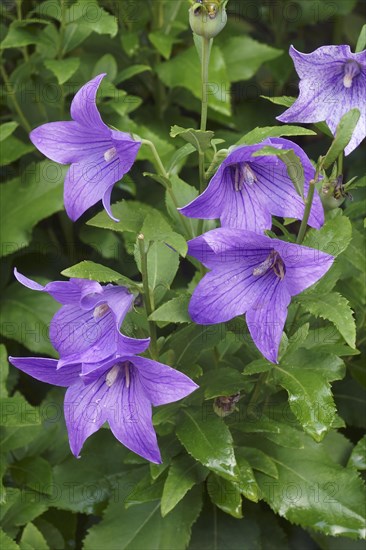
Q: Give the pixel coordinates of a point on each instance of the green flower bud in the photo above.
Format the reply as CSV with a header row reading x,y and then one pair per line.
x,y
223,406
333,193
208,17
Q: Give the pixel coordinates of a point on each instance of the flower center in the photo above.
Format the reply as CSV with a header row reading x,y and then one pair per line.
x,y
100,311
273,261
243,174
111,376
351,70
110,154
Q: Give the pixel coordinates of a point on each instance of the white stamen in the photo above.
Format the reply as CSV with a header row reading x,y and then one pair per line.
x,y
249,175
262,268
100,311
127,373
110,154
351,70
112,375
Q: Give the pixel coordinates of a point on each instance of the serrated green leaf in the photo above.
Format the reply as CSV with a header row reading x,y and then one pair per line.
x,y
20,510
32,538
97,272
183,474
313,490
259,460
342,137
145,491
63,69
306,377
333,238
198,138
332,307
358,456
173,311
247,484
27,200
208,440
6,543
34,472
222,382
7,129
279,432
351,402
225,495
143,527
259,134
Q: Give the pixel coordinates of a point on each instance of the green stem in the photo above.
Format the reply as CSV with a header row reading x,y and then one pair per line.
x,y
62,29
340,165
147,298
161,170
308,205
10,90
205,62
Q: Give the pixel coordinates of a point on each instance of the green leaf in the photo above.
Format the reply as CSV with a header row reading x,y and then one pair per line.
x,y
130,72
208,440
34,472
358,456
225,495
279,432
259,134
7,129
97,272
313,490
162,42
259,460
198,138
18,36
4,371
184,71
173,311
332,307
183,474
106,64
247,484
16,411
145,491
342,137
20,510
162,266
95,18
351,402
306,376
222,382
6,543
156,228
285,101
179,156
237,48
28,315
333,238
184,194
295,169
32,538
63,69
361,41
37,194
13,149
143,527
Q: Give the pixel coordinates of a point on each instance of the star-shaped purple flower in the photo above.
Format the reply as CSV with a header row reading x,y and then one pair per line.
x,y
86,327
252,274
246,190
333,81
120,391
99,156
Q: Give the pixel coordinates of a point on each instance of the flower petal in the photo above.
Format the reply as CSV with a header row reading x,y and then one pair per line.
x,y
118,298
68,142
129,417
85,411
267,316
45,370
84,109
161,383
65,292
226,293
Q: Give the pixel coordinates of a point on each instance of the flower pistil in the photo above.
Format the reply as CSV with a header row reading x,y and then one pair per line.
x,y
273,261
243,174
351,70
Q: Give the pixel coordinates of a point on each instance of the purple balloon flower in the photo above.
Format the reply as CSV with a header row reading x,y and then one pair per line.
x,y
246,190
252,274
86,327
333,81
119,391
99,156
